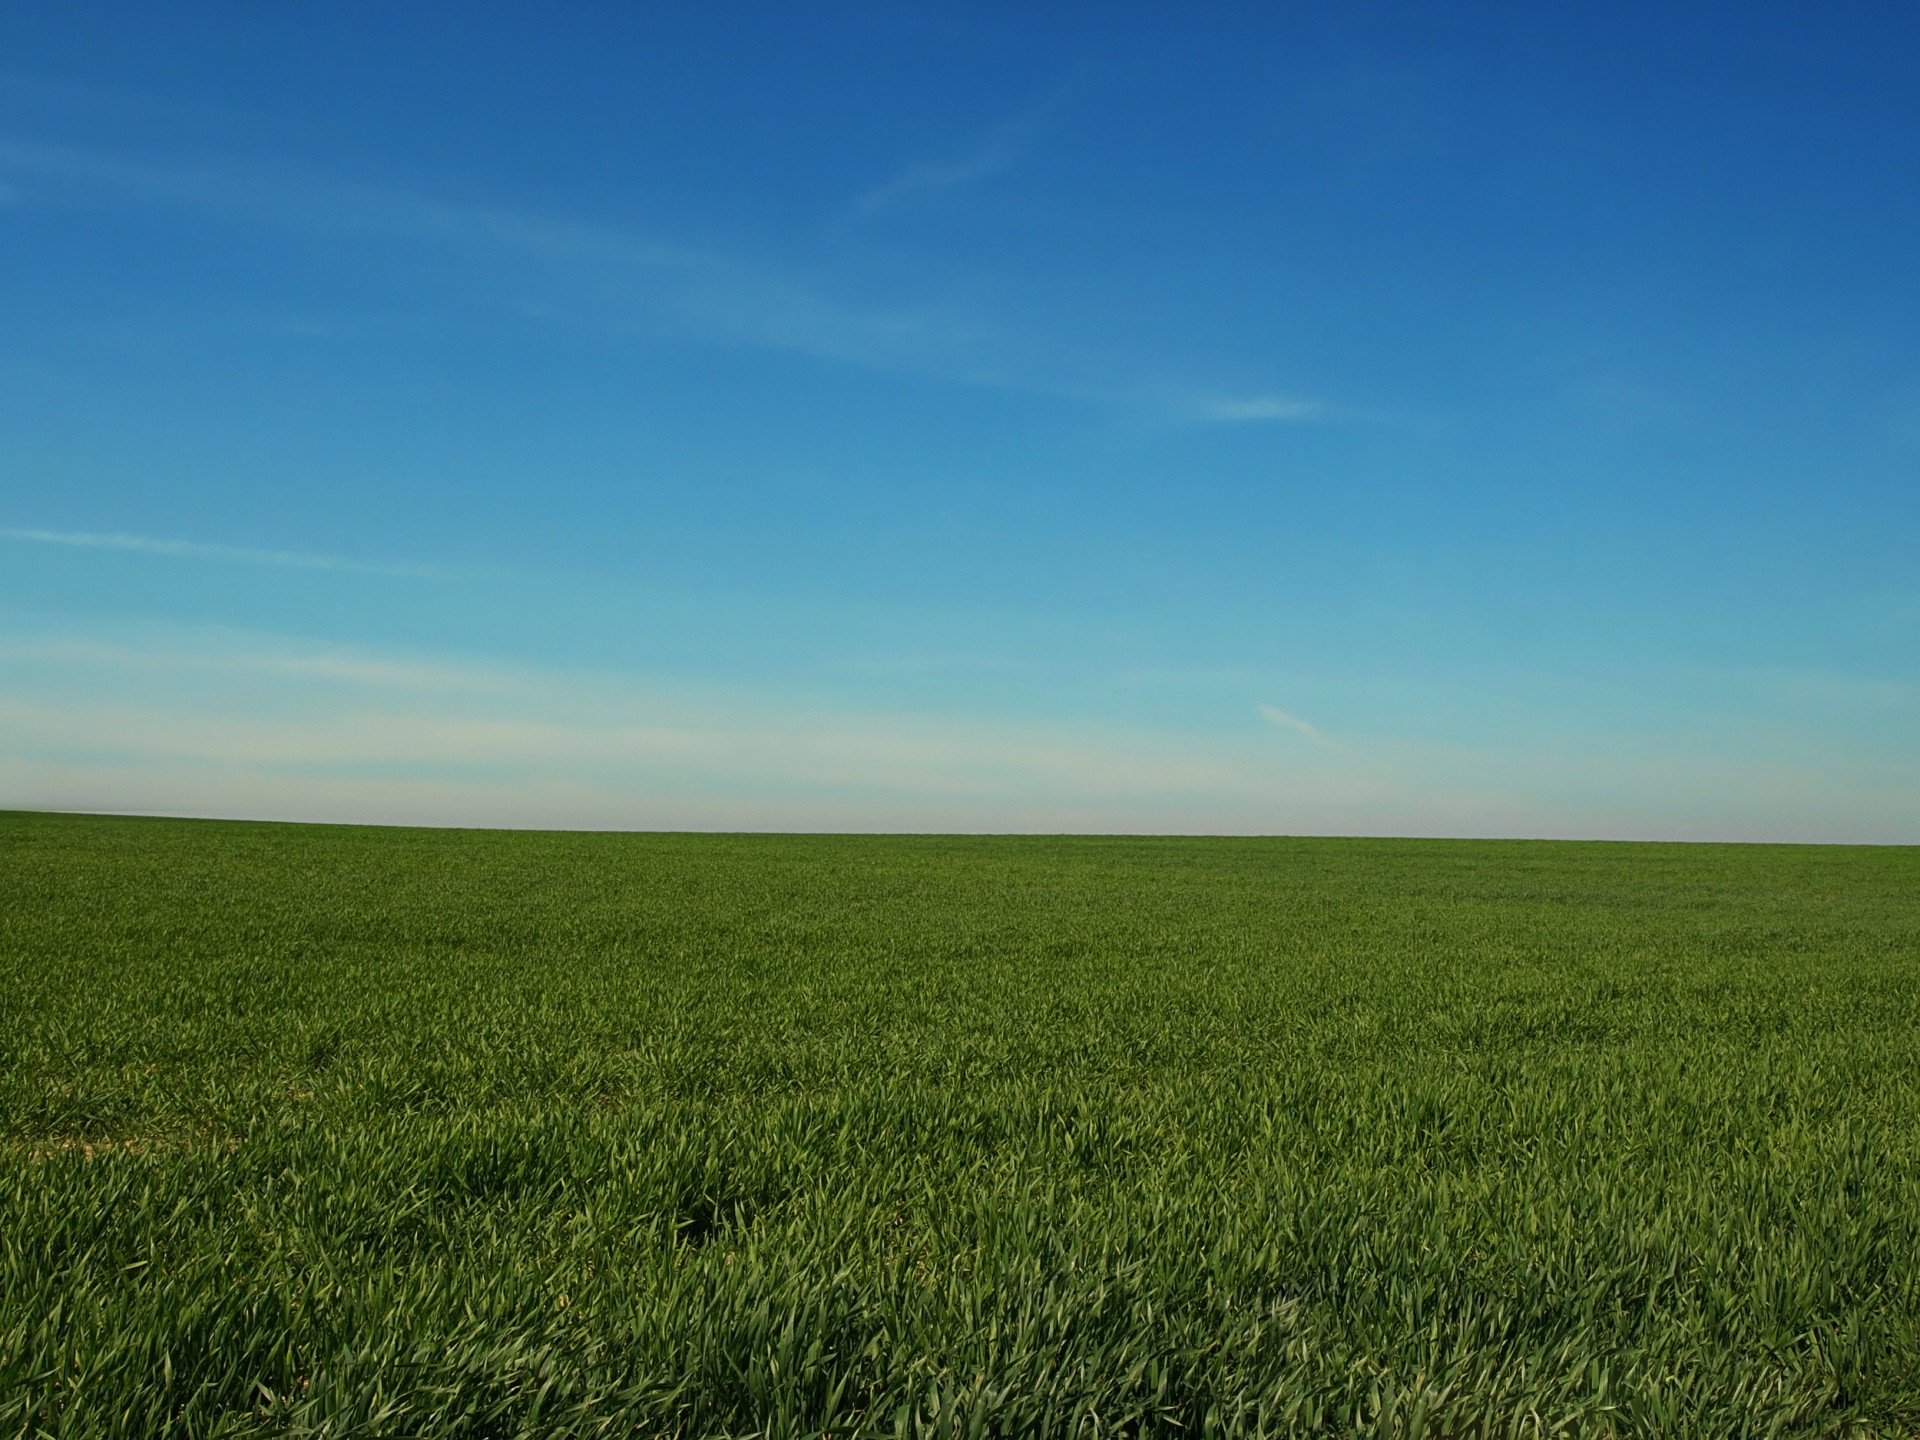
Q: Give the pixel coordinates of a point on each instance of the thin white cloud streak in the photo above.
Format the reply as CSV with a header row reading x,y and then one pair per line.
x,y
1275,716
308,201
243,657
1767,808
374,709
1262,409
232,554
630,277
993,156
282,730
286,713
996,151
930,760
990,159
626,281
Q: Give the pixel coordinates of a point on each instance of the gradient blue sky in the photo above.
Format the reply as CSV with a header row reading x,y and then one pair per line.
x,y
1347,417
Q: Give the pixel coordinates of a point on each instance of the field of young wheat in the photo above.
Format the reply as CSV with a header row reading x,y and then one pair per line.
x,y
329,1131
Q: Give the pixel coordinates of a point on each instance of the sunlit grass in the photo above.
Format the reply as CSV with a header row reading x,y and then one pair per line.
x,y
381,1132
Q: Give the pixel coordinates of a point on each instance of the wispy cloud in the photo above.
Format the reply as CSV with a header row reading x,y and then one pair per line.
x,y
186,721
627,281
989,159
235,554
849,753
298,198
609,277
360,717
1257,409
1274,716
993,153
244,656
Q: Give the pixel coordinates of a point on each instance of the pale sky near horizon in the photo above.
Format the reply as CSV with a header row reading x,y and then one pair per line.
x,y
1306,418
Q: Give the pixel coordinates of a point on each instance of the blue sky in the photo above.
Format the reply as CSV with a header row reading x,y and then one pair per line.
x,y
1469,419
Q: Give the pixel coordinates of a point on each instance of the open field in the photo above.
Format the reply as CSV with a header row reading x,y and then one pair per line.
x,y
381,1132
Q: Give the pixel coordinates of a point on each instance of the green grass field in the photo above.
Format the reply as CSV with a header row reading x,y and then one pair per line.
x,y
383,1132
